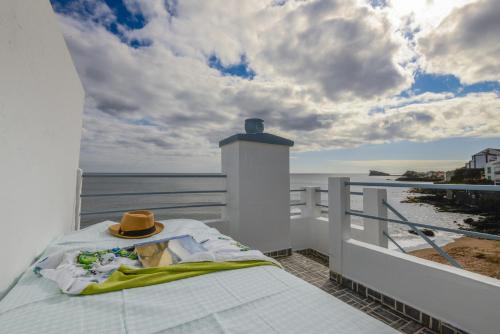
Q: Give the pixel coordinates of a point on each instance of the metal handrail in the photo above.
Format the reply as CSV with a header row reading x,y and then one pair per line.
x,y
322,205
157,193
173,175
296,190
156,208
433,227
360,193
438,249
469,187
394,242
297,204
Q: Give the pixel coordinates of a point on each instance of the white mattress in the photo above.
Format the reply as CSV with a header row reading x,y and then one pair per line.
x,y
253,300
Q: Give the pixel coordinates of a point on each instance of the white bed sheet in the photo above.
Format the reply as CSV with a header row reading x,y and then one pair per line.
x,y
254,300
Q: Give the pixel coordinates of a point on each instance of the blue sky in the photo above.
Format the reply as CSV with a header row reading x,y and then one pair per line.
x,y
444,83
380,84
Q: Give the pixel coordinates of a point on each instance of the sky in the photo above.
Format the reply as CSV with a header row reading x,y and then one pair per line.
x,y
358,85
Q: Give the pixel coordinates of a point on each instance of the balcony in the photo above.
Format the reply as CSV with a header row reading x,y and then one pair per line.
x,y
352,262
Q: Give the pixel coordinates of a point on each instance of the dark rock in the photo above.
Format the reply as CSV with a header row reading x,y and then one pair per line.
x,y
377,173
469,220
425,231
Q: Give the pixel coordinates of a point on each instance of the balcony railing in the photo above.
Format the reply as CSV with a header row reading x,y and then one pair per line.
x,y
414,226
85,175
172,206
359,258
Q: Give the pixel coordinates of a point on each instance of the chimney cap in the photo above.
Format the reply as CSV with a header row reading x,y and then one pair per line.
x,y
254,125
254,128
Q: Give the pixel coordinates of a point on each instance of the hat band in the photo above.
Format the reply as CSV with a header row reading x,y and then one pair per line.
x,y
137,233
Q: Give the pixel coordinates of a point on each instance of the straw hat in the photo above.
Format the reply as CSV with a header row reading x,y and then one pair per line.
x,y
136,225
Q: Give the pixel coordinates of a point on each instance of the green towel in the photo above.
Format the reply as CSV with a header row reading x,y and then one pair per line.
x,y
127,278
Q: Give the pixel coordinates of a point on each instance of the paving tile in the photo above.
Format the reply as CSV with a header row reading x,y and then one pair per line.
x,y
314,269
411,328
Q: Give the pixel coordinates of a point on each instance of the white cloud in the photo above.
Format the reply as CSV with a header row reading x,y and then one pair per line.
x,y
336,49
466,43
321,68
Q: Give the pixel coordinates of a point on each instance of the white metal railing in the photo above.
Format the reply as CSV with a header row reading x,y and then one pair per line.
x,y
81,176
176,175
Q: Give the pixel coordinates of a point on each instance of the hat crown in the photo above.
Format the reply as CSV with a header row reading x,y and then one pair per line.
x,y
137,220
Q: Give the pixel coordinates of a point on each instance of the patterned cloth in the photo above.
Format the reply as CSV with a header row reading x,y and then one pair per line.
x,y
88,271
73,271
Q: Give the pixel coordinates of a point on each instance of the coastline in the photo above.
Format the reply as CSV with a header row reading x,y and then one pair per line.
x,y
477,255
488,221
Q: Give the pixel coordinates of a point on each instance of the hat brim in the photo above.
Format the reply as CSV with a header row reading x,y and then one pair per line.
x,y
115,231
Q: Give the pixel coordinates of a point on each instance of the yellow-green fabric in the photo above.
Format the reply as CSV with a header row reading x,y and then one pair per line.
x,y
127,278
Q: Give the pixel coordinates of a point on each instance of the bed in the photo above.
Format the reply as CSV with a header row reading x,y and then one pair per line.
x,y
263,299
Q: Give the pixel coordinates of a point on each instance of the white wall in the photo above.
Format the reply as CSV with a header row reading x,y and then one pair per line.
x,y
466,300
258,194
313,233
41,101
309,230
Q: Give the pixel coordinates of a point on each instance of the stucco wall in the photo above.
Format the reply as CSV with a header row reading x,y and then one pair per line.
x,y
464,299
41,102
258,194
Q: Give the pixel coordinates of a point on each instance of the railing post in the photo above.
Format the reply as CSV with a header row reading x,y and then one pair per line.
x,y
311,196
78,200
339,221
373,204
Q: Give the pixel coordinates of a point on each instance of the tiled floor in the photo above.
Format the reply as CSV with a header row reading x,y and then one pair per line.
x,y
314,271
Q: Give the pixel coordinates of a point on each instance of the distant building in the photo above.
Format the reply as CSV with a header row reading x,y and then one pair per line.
x,y
492,171
448,175
480,159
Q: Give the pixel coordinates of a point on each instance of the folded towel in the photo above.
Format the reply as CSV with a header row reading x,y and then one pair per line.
x,y
127,278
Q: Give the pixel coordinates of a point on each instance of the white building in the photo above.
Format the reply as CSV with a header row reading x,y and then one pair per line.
x,y
492,171
480,159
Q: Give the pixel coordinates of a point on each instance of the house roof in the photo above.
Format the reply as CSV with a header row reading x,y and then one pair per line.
x,y
493,151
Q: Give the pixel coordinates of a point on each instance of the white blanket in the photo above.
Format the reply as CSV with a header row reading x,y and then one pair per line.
x,y
62,268
258,300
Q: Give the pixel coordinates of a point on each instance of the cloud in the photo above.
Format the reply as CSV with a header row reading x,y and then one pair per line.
x,y
469,116
466,43
341,50
323,73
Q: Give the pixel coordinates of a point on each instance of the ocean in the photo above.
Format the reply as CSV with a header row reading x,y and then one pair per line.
x,y
420,213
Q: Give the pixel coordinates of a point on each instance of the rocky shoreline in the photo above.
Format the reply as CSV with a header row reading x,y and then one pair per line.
x,y
489,219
